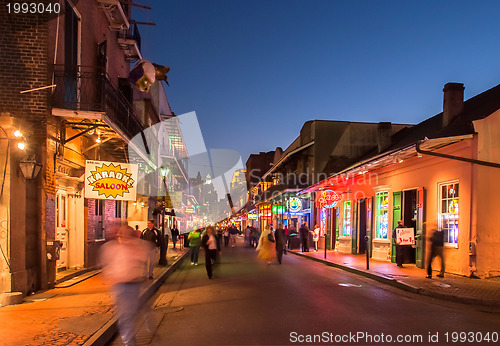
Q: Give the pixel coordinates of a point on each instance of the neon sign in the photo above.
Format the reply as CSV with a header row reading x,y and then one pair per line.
x,y
328,199
294,204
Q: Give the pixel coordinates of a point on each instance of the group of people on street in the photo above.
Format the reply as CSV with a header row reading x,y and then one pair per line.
x,y
272,244
304,232
252,236
210,239
436,240
127,261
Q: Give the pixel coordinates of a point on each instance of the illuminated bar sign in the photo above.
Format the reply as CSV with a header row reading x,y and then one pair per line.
x,y
294,204
253,216
328,199
110,180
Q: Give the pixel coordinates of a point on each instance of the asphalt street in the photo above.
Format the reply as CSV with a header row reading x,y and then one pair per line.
x,y
301,302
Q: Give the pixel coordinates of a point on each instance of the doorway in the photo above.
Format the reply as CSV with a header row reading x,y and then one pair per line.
x,y
62,229
361,226
409,217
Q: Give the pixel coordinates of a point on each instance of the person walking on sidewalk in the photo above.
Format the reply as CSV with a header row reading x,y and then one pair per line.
x,y
124,261
279,235
287,237
152,236
400,249
211,245
248,235
266,247
233,231
194,243
175,235
437,243
304,233
316,237
226,237
255,237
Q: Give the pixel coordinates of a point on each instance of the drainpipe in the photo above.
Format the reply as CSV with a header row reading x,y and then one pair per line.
x,y
458,158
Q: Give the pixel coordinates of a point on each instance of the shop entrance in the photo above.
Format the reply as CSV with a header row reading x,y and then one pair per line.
x,y
410,219
408,206
361,226
330,219
62,229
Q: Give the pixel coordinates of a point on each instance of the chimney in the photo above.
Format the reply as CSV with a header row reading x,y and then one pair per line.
x,y
384,131
453,102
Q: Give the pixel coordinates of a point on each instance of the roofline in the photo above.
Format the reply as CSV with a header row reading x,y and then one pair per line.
x,y
385,154
287,156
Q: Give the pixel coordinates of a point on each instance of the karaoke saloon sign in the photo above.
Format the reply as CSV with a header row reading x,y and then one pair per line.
x,y
110,180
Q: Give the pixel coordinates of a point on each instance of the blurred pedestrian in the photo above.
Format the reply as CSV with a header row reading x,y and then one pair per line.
x,y
400,249
437,243
287,237
194,243
124,261
152,236
266,247
280,238
292,233
175,235
304,233
226,237
211,245
233,231
255,236
316,237
248,235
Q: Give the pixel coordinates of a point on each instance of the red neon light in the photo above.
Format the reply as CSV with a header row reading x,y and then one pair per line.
x,y
328,199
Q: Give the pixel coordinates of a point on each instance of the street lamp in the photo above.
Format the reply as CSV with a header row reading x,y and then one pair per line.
x,y
163,248
30,168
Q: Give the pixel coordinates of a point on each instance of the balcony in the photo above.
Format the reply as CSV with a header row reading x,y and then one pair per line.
x,y
129,40
83,92
113,10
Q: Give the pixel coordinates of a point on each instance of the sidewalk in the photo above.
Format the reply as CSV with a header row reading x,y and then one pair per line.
x,y
79,311
410,278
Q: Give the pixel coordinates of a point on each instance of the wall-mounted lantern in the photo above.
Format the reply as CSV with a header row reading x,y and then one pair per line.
x,y
30,168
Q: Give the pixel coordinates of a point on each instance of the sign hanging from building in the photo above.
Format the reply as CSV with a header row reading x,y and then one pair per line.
x,y
110,180
294,204
328,199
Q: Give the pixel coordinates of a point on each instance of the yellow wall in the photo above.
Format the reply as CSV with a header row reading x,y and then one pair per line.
x,y
488,188
426,172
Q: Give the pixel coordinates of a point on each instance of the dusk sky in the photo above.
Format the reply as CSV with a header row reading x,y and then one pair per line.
x,y
255,71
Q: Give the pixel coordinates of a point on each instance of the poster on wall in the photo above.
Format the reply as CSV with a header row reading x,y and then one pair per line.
x,y
405,236
110,180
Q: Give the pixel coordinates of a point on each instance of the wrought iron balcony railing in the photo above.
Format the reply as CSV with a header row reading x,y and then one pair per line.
x,y
84,88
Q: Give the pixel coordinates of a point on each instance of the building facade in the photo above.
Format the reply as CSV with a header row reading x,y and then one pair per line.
x,y
66,90
435,175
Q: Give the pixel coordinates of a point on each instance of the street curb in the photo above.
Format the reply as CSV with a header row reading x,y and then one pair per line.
x,y
404,286
380,278
76,273
82,275
106,333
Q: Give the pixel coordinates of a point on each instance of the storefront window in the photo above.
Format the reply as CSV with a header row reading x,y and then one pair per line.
x,y
382,215
346,224
448,213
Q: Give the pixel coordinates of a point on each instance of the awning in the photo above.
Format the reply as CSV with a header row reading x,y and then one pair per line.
x,y
284,158
395,156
